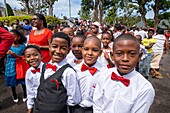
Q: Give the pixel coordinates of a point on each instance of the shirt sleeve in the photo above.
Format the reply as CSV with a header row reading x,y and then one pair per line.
x,y
30,91
98,96
6,41
144,101
71,84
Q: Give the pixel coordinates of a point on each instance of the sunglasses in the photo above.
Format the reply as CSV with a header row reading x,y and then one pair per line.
x,y
35,19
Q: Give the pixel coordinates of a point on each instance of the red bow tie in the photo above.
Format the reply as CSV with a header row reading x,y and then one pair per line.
x,y
91,70
53,67
35,70
125,81
75,61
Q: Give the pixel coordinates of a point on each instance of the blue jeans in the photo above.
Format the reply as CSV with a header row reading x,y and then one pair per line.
x,y
147,66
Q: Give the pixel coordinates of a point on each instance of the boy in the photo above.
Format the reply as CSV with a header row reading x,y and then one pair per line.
x,y
58,83
75,55
148,43
88,72
122,89
33,58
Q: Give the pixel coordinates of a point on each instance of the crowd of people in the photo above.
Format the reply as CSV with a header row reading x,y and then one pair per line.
x,y
90,68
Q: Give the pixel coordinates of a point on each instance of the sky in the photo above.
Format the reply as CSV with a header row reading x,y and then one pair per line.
x,y
61,8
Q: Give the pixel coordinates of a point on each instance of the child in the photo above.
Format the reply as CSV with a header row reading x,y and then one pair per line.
x,y
59,86
76,44
69,32
143,52
88,72
33,58
105,58
15,52
122,89
148,43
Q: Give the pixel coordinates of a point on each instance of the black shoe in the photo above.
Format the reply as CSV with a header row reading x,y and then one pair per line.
x,y
146,77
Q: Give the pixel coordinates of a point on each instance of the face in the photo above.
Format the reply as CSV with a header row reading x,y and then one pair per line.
x,y
16,37
69,32
94,29
106,39
91,51
77,44
150,34
16,22
6,22
36,21
125,55
58,49
32,57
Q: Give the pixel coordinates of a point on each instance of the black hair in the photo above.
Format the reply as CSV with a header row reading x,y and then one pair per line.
x,y
126,36
22,39
106,33
41,17
26,20
17,20
80,36
32,46
61,35
118,26
160,31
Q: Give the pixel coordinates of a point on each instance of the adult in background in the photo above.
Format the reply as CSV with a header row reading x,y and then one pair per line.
x,y
157,52
41,36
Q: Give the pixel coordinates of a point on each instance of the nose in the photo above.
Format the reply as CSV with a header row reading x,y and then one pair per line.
x,y
90,52
125,58
58,50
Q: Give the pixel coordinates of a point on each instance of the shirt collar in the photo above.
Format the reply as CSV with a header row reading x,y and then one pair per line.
x,y
96,65
128,76
60,64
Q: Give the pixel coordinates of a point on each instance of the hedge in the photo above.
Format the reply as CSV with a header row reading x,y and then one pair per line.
x,y
50,19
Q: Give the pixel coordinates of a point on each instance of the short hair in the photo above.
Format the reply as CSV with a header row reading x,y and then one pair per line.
x,y
160,31
94,38
80,36
126,37
61,35
22,39
106,33
31,46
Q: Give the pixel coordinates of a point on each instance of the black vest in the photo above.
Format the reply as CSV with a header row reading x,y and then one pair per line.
x,y
50,97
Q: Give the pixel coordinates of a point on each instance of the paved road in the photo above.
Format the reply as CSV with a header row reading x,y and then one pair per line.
x,y
161,103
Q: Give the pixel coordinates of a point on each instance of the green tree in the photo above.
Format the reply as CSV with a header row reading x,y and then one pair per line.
x,y
25,4
9,9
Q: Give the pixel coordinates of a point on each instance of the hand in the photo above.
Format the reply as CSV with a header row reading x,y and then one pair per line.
x,y
10,52
30,111
106,56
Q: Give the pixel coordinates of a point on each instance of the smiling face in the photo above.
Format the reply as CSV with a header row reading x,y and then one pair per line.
x,y
125,55
91,51
77,44
106,39
36,21
58,49
32,57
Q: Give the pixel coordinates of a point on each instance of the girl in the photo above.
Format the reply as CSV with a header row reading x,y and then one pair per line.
x,y
10,72
106,50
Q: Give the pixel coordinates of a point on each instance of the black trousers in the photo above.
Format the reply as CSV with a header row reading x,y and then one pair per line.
x,y
79,109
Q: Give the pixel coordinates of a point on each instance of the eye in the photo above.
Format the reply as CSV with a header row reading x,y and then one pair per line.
x,y
95,49
132,54
80,46
86,48
119,53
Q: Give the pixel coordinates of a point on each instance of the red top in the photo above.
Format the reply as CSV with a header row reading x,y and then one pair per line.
x,y
6,41
42,40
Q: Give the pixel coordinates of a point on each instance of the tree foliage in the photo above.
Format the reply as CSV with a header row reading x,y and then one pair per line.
x,y
9,9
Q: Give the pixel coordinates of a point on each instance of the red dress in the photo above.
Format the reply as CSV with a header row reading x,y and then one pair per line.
x,y
42,40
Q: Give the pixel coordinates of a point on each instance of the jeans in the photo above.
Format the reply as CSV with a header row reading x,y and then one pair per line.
x,y
147,66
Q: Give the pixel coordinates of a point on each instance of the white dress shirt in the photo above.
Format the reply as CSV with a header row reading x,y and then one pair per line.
x,y
113,96
32,82
69,80
87,83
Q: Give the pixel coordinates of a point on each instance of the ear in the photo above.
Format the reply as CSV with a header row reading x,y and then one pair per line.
x,y
100,52
111,55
